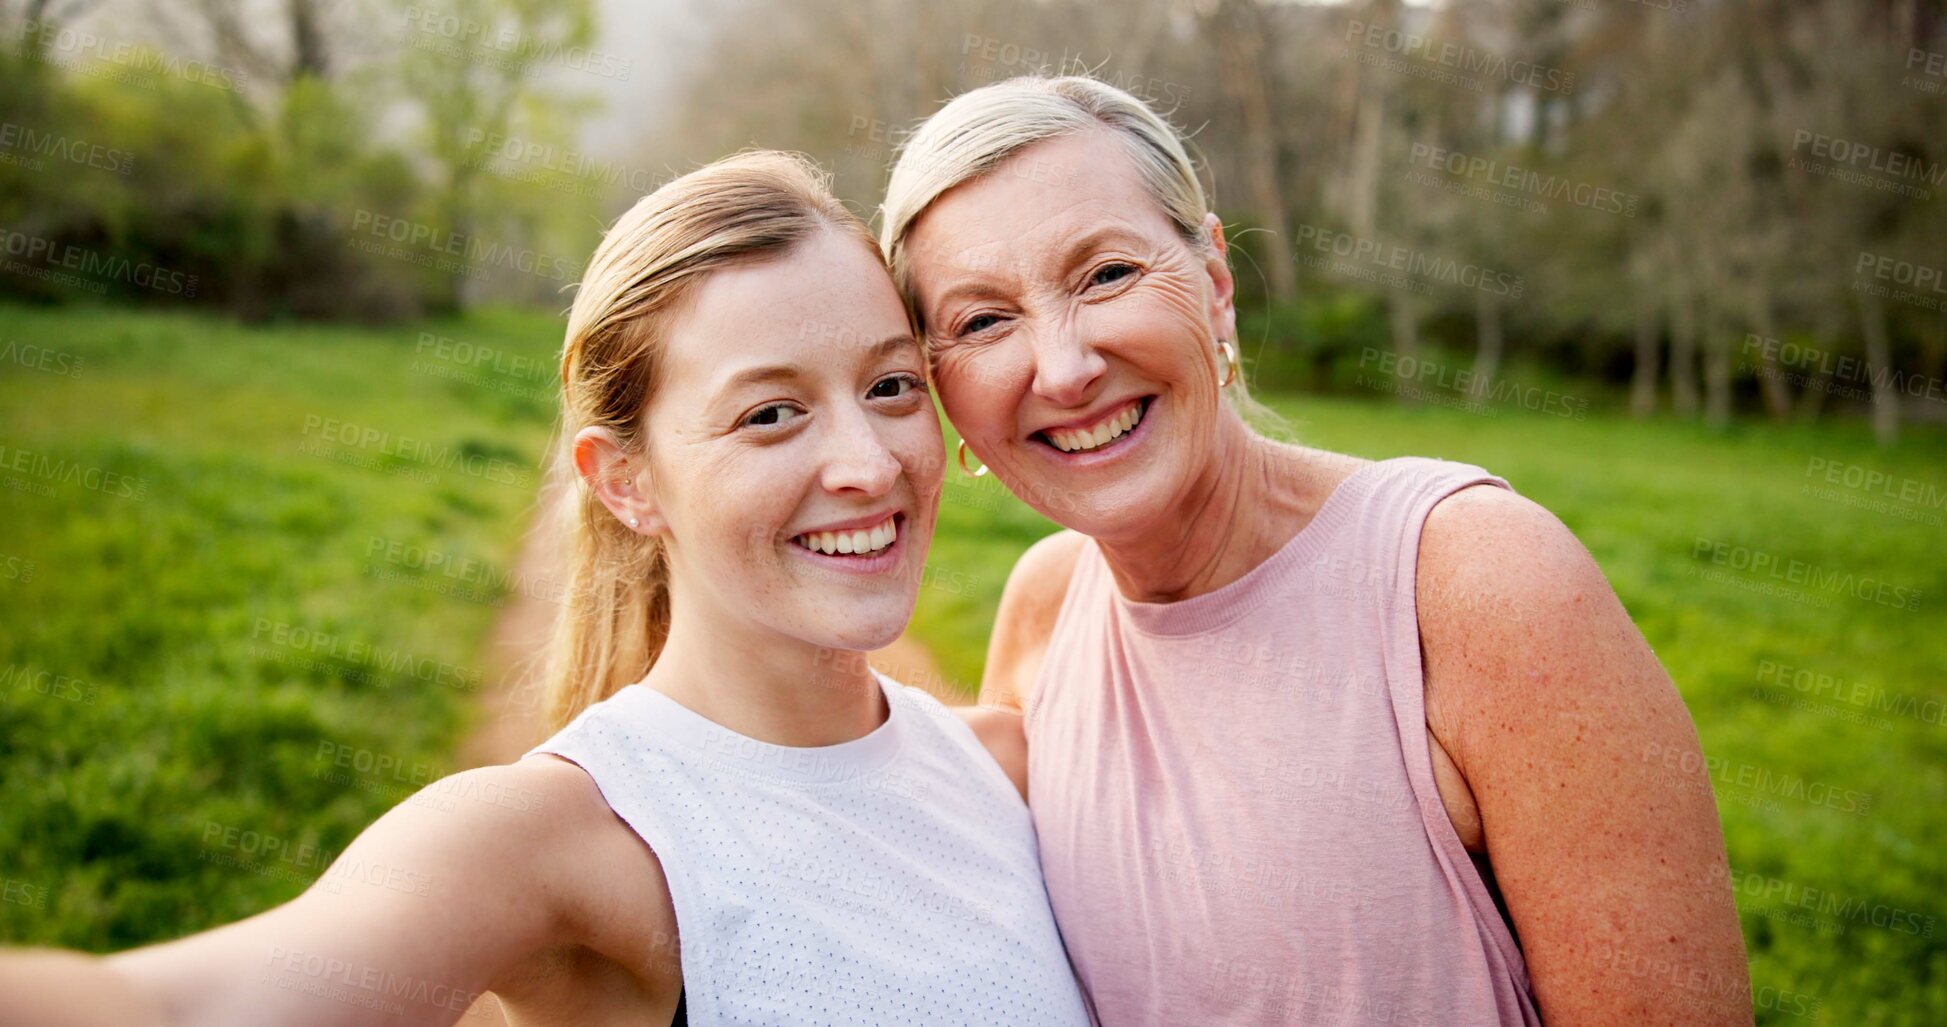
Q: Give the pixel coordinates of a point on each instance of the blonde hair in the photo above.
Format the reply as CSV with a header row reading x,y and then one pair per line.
x,y
745,209
980,129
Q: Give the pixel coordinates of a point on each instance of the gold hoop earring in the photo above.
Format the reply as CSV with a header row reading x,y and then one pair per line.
x,y
963,462
1230,359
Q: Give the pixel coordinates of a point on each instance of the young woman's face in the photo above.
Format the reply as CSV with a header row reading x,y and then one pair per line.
x,y
1074,333
794,451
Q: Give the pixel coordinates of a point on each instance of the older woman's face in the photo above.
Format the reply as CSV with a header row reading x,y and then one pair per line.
x,y
1074,333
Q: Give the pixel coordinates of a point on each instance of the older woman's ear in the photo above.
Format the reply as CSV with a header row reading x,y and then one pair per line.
x,y
1223,294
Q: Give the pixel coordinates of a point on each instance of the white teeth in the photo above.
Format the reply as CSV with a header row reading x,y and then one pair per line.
x,y
1070,441
849,543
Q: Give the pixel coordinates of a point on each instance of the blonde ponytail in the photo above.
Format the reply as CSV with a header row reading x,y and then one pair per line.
x,y
744,209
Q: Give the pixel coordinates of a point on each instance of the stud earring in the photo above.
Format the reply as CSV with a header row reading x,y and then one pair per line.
x,y
633,523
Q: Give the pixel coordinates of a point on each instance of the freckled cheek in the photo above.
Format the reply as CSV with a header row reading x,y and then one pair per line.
x,y
749,497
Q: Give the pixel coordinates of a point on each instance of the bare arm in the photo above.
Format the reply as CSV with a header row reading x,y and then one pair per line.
x,y
1022,624
414,920
1554,709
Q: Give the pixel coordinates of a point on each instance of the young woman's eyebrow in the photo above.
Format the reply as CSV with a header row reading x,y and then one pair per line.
x,y
762,374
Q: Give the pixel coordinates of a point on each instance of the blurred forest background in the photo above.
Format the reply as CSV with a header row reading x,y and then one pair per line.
x,y
281,285
1730,208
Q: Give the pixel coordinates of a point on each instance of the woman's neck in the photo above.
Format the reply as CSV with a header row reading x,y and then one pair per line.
x,y
767,686
1252,498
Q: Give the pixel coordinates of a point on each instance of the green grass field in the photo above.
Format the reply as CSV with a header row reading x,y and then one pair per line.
x,y
246,574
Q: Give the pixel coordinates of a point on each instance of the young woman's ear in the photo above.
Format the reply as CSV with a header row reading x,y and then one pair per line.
x,y
620,481
1216,263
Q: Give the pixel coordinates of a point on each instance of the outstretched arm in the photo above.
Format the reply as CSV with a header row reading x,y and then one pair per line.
x,y
414,920
1598,814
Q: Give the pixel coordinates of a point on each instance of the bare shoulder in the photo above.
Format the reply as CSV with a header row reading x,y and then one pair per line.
x,y
1004,736
1025,619
1486,550
596,863
1508,599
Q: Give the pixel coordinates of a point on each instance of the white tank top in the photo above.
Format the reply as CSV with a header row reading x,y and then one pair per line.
x,y
892,879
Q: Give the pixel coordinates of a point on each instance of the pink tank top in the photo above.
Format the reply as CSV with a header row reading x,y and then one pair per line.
x,y
1235,799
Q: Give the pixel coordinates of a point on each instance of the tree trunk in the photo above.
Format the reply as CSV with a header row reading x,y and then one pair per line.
x,y
1240,42
1642,384
1489,342
1717,371
308,58
1405,318
1771,379
1683,356
1879,365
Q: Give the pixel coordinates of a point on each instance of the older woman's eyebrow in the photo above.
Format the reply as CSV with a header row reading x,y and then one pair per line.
x,y
1088,242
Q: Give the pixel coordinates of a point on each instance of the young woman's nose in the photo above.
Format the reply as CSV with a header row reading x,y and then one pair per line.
x,y
853,458
1066,365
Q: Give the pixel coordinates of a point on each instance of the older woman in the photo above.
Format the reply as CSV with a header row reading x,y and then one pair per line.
x,y
1308,738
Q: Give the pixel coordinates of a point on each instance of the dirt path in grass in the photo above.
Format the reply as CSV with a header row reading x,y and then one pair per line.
x,y
512,703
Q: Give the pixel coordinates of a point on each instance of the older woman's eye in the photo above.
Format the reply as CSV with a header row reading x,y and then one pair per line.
x,y
1109,274
979,322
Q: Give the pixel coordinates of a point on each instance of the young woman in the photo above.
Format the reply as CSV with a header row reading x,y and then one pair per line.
x,y
740,823
1312,739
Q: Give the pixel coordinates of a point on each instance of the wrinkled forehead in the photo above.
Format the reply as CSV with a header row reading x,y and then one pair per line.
x,y
1025,213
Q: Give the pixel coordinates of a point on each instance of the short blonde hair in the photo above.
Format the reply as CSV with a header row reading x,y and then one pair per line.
x,y
980,129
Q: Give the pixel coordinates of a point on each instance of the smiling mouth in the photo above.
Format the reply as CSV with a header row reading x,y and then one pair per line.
x,y
862,542
1082,440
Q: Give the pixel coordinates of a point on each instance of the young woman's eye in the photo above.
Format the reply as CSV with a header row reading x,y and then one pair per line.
x,y
896,386
772,415
1109,274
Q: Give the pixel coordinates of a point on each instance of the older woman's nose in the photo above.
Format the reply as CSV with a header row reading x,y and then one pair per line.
x,y
1065,368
